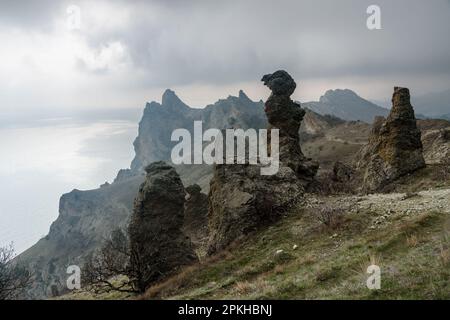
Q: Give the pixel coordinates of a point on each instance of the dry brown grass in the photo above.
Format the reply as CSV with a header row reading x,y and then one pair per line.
x,y
170,285
330,218
308,260
183,277
373,259
260,285
444,256
444,251
243,287
279,269
412,241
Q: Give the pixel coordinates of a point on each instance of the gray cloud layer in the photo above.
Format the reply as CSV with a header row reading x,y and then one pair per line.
x,y
240,40
173,43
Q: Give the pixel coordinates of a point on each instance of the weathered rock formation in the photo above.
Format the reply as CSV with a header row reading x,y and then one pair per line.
x,y
196,218
287,115
342,173
394,148
158,246
436,145
161,119
241,201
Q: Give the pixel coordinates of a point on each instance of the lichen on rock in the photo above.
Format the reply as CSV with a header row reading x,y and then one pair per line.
x,y
394,148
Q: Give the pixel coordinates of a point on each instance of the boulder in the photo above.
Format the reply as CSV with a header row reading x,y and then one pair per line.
x,y
241,201
158,246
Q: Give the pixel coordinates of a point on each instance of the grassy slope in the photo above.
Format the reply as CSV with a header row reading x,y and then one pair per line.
x,y
407,235
412,251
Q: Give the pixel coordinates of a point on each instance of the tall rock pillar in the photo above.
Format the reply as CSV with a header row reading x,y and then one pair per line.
x,y
287,115
394,148
158,246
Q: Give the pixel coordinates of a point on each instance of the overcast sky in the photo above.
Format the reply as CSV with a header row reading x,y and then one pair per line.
x,y
127,52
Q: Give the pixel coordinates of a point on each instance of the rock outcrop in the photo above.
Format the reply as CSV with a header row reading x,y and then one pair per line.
x,y
196,218
436,141
161,119
158,246
394,148
241,201
342,173
153,141
287,115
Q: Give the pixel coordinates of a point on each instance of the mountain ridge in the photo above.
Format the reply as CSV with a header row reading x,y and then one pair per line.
x,y
347,105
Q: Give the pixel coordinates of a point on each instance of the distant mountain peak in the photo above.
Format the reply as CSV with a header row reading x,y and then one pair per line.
x,y
339,93
242,95
347,105
170,99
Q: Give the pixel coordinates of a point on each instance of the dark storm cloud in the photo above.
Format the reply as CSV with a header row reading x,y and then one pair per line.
x,y
185,42
179,42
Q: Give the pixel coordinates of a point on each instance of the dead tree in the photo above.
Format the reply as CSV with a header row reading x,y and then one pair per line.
x,y
103,269
14,277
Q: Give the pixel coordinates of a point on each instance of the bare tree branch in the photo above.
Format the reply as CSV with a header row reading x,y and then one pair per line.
x,y
103,268
14,278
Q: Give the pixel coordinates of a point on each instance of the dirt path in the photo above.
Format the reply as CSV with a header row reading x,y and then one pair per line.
x,y
340,140
385,207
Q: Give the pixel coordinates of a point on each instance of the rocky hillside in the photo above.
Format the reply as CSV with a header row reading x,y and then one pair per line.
x,y
435,140
87,217
159,120
342,140
301,258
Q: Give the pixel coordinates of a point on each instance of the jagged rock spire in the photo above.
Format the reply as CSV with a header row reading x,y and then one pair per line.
x,y
171,100
394,148
287,115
